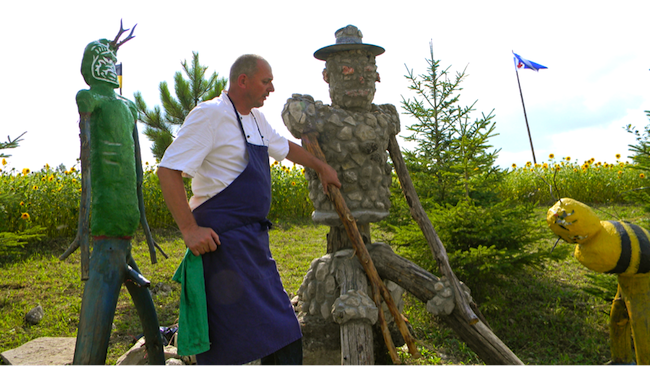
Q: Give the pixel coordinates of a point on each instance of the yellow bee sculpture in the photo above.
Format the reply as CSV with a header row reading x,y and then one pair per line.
x,y
613,247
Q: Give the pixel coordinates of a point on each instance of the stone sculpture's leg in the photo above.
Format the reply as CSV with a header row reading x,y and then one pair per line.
x,y
107,272
148,318
636,293
356,334
620,336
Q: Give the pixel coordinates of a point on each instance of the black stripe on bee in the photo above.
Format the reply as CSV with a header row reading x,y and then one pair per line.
x,y
626,248
644,245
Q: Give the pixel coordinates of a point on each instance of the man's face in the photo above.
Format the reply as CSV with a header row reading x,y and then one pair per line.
x,y
260,85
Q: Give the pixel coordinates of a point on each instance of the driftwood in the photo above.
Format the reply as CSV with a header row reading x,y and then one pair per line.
x,y
474,331
310,142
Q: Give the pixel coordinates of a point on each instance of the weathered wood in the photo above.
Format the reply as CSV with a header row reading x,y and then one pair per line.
x,y
414,279
338,239
82,238
356,335
420,216
310,142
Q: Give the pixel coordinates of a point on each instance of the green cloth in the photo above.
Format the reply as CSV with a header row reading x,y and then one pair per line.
x,y
192,335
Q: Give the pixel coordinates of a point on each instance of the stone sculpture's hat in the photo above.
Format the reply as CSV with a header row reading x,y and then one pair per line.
x,y
348,38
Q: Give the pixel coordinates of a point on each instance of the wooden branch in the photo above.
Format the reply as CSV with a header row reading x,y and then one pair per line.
x,y
83,231
420,216
310,142
421,284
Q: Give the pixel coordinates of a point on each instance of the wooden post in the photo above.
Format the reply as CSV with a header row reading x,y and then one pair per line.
x,y
356,335
337,238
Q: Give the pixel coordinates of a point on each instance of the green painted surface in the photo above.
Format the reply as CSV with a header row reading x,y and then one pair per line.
x,y
114,207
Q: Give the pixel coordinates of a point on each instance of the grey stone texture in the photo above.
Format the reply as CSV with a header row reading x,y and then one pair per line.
x,y
322,307
354,144
35,315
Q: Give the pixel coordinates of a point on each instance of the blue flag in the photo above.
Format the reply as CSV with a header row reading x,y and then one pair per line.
x,y
521,62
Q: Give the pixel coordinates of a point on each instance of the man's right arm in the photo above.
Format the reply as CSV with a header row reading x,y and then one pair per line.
x,y
199,240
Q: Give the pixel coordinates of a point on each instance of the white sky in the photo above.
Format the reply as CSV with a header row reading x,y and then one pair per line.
x,y
596,53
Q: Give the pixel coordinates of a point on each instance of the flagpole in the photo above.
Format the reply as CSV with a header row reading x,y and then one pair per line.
x,y
525,117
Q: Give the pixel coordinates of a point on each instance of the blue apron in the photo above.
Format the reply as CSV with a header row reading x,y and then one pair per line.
x,y
249,313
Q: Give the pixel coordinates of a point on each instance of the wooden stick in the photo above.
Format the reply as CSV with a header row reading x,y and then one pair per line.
x,y
310,142
420,216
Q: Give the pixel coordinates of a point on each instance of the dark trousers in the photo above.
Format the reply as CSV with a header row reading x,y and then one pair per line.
x,y
288,355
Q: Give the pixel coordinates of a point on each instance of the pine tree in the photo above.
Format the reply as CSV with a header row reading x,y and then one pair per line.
x,y
10,144
451,156
189,93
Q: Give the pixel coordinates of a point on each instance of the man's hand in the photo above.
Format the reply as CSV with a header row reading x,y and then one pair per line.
x,y
326,173
200,240
328,176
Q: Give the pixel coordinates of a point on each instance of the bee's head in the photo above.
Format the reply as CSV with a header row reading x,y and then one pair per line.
x,y
572,221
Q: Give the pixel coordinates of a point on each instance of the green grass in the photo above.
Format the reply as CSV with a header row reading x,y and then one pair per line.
x,y
555,314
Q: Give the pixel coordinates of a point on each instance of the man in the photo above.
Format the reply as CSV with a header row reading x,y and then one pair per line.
x,y
224,145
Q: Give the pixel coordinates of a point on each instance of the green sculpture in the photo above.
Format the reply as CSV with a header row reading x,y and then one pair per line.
x,y
112,190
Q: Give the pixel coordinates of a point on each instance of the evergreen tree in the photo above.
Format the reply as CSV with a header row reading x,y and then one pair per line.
x,y
452,151
10,144
452,168
189,93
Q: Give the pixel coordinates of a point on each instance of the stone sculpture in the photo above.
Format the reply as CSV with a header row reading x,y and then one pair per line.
x,y
354,131
353,135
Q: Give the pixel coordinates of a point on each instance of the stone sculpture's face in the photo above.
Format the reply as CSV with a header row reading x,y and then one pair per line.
x,y
351,76
98,64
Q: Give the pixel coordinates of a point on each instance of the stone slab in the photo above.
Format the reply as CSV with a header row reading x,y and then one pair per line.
x,y
42,351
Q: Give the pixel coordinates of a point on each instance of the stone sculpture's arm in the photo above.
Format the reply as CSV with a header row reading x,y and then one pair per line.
x,y
299,113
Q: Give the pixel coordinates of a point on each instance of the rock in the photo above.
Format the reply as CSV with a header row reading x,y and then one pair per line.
x,y
35,315
42,351
137,355
174,361
161,288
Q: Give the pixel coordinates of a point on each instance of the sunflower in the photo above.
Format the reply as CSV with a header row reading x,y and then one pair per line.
x,y
24,216
514,165
642,176
618,156
551,156
25,171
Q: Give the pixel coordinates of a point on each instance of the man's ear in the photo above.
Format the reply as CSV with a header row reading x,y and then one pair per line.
x,y
242,81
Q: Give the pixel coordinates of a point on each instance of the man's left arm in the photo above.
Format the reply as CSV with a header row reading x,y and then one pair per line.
x,y
327,174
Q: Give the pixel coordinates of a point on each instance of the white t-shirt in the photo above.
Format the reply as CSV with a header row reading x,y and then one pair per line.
x,y
211,149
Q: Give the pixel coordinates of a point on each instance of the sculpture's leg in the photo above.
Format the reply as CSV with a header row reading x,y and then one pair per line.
x,y
636,293
356,334
107,272
620,336
148,318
